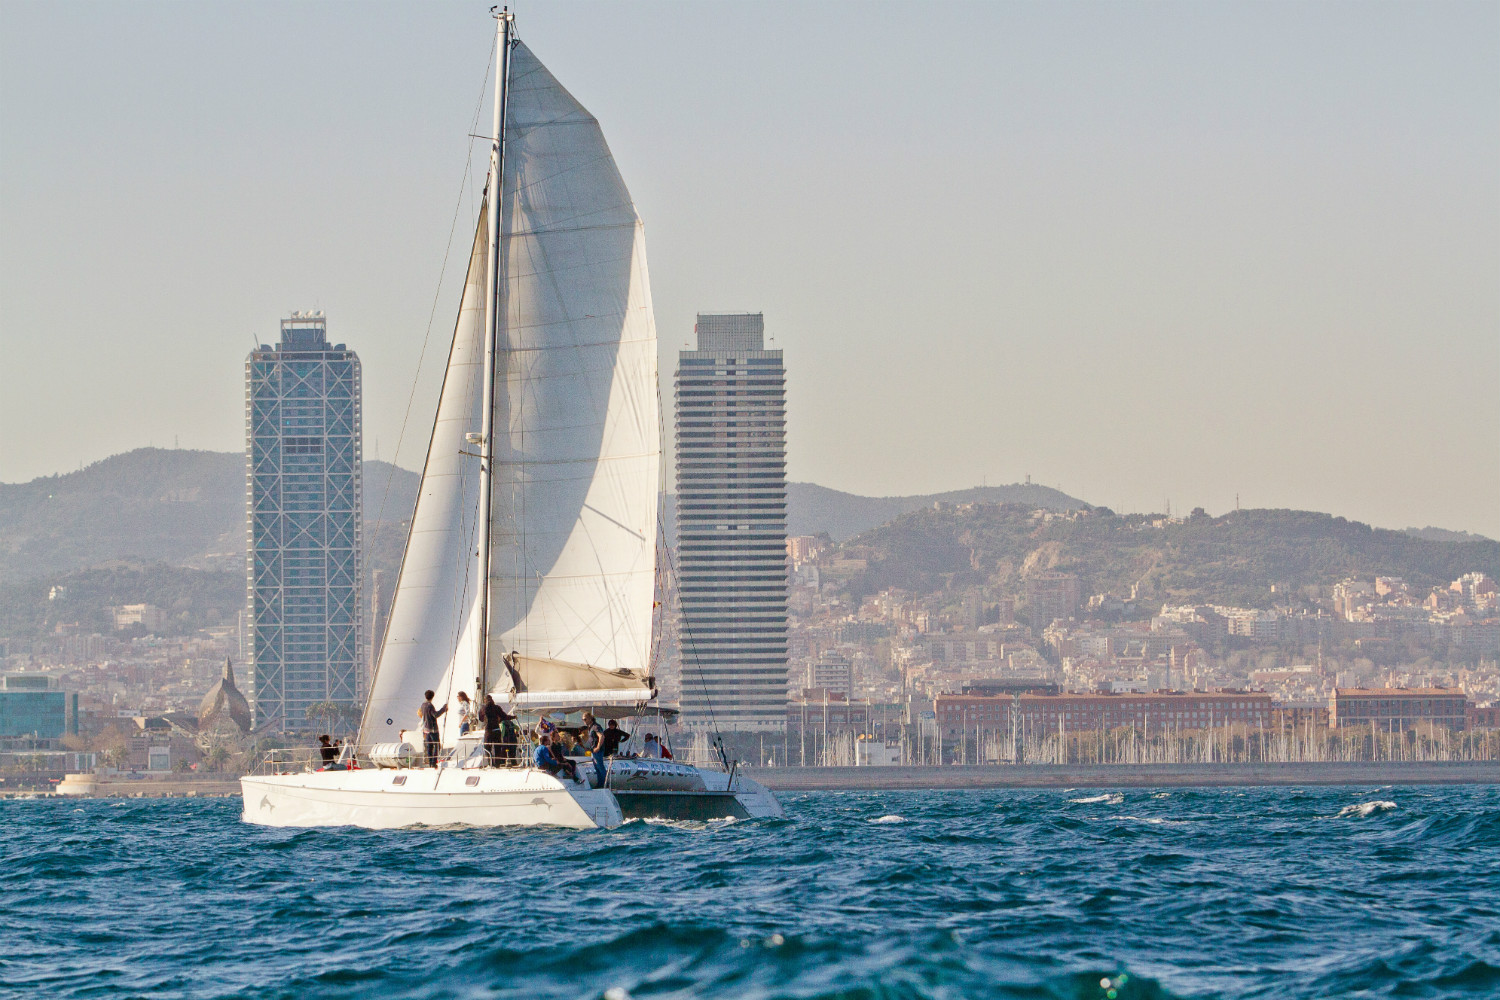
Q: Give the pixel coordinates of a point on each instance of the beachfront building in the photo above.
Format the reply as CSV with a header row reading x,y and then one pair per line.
x,y
303,487
1042,715
1398,709
731,526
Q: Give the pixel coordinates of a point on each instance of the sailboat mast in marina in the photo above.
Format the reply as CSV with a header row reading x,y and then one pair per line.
x,y
530,567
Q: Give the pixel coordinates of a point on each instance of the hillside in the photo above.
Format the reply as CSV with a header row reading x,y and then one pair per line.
x,y
151,505
186,508
1233,559
167,527
812,509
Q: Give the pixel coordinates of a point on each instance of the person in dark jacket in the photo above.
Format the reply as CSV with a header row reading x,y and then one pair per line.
x,y
613,737
499,732
592,741
428,715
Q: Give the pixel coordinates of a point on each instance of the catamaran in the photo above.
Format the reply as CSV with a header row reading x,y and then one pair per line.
x,y
530,569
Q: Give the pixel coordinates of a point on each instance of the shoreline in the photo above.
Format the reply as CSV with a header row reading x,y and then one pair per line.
x,y
972,776
957,777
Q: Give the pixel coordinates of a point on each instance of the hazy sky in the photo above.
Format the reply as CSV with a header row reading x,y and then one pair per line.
x,y
1138,251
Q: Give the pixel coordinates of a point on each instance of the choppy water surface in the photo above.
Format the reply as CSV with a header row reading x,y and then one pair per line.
x,y
1193,893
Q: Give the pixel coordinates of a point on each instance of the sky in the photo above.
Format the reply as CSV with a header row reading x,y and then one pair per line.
x,y
1203,254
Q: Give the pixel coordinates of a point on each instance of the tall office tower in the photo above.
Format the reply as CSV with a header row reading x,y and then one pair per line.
x,y
303,492
731,526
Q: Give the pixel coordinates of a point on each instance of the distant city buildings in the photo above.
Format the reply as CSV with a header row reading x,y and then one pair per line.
x,y
833,673
1050,596
148,616
1031,713
36,705
1398,709
303,522
731,526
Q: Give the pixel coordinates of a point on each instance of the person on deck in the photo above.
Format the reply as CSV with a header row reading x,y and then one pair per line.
x,y
613,737
499,732
330,753
593,743
467,718
551,762
428,714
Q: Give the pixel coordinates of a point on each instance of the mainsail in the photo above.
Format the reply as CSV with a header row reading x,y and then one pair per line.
x,y
576,443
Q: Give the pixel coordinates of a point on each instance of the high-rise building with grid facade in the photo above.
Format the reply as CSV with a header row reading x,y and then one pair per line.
x,y
303,491
731,526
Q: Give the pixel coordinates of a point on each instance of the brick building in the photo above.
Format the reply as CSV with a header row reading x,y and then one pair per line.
x,y
1045,713
1398,708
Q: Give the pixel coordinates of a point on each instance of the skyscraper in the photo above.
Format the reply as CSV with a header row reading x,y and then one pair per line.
x,y
731,526
303,491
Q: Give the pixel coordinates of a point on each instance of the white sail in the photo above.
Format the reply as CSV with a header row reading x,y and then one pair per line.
x,y
430,641
577,441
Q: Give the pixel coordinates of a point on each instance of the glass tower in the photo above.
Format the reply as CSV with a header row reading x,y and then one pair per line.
x,y
731,526
303,519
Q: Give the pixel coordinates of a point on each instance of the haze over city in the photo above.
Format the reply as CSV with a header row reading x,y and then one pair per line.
x,y
1140,252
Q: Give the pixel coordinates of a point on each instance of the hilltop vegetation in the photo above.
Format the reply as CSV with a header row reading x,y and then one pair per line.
x,y
166,527
151,505
1233,559
813,510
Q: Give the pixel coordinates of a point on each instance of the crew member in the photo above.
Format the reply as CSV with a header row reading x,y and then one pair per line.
x,y
428,715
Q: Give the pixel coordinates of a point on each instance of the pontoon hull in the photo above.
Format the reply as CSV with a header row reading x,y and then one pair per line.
x,y
389,798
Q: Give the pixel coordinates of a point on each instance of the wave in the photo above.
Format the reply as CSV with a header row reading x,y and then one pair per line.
x,y
1108,798
1003,893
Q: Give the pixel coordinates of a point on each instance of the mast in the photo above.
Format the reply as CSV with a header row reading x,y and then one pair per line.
x,y
504,32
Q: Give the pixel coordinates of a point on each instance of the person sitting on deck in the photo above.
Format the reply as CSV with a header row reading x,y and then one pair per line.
x,y
654,750
330,753
553,763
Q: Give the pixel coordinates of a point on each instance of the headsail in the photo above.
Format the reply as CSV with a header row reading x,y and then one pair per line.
x,y
577,440
432,621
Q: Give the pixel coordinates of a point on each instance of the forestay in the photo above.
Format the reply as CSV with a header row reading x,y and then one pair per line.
x,y
432,619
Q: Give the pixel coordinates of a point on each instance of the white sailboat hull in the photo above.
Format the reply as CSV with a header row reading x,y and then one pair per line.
x,y
391,798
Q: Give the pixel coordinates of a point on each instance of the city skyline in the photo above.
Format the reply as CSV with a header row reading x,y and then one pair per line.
x,y
304,477
731,543
1149,253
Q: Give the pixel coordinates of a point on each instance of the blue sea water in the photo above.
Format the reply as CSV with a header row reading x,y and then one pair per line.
x,y
1329,892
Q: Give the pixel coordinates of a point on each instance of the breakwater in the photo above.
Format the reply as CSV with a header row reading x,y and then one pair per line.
x,y
1124,775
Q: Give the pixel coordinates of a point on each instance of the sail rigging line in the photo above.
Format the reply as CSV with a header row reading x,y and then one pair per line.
x,y
416,380
688,633
437,294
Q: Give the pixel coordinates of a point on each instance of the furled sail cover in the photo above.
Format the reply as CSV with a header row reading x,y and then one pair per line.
x,y
577,442
432,624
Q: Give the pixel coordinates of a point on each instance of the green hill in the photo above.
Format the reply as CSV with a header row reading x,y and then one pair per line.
x,y
153,526
813,510
151,505
1233,559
